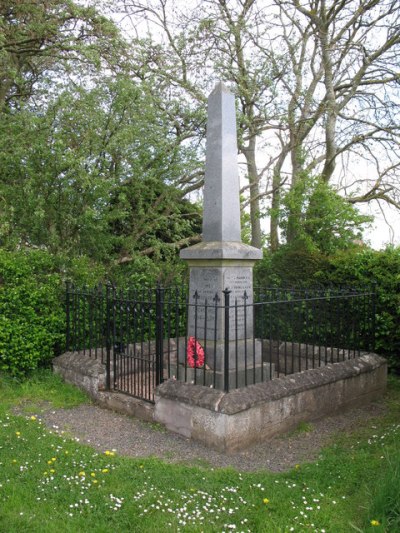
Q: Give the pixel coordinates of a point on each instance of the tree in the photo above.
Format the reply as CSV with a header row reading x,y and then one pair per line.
x,y
344,60
317,83
50,39
326,222
93,175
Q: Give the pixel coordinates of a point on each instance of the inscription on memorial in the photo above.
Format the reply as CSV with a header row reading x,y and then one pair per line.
x,y
206,312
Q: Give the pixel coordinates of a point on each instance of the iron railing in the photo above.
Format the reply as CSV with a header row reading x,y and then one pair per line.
x,y
148,335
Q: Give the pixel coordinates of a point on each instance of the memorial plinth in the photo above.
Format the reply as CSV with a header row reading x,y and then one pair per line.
x,y
221,261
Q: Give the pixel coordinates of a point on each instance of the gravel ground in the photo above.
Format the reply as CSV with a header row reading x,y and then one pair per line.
x,y
105,430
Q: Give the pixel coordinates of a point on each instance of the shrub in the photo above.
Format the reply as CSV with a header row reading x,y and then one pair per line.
x,y
381,268
361,268
32,295
31,312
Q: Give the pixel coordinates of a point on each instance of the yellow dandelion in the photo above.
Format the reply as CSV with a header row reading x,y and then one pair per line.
x,y
18,433
297,467
93,474
107,452
54,459
94,481
66,452
82,474
52,471
45,473
49,462
14,461
105,470
33,417
266,501
375,523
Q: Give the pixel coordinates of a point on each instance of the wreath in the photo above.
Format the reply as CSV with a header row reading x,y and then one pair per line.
x,y
195,353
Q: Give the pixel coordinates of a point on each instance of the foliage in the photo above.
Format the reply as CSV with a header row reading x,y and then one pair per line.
x,y
386,496
358,267
31,317
32,293
290,266
147,271
48,42
367,267
316,216
94,174
299,75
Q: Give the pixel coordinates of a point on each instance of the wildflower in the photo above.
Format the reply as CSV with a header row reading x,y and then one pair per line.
x,y
375,523
33,417
105,470
265,501
110,454
14,461
52,471
82,474
18,433
297,467
93,474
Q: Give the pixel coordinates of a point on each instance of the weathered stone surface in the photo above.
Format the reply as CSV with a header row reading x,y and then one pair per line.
x,y
222,253
125,404
243,417
237,378
86,373
292,357
89,375
221,220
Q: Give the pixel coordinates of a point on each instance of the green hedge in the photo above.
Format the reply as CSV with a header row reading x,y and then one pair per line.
x,y
31,315
361,268
32,296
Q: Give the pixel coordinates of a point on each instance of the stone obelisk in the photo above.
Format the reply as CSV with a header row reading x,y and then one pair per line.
x,y
221,261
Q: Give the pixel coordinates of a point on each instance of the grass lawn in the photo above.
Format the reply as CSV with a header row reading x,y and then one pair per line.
x,y
49,483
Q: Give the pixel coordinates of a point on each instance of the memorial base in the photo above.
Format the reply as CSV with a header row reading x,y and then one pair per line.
x,y
242,353
215,379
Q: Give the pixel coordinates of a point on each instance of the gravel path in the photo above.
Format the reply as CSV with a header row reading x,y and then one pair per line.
x,y
106,430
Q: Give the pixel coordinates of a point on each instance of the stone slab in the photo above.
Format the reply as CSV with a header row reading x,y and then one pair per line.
x,y
233,421
208,378
221,251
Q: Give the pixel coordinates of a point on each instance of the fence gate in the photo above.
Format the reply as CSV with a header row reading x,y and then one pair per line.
x,y
134,344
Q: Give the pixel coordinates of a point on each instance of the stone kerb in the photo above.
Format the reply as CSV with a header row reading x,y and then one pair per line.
x,y
233,421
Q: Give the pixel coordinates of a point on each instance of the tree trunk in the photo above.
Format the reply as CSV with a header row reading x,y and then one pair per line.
x,y
297,168
276,201
250,155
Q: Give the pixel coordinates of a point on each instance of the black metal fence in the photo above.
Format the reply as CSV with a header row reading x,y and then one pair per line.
x,y
148,335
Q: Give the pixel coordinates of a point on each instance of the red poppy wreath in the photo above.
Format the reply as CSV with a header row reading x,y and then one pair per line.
x,y
195,353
